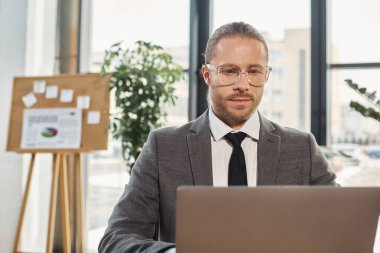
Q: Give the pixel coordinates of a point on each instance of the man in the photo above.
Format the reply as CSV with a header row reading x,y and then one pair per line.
x,y
203,152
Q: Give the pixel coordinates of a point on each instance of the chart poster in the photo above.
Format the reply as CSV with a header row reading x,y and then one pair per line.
x,y
55,128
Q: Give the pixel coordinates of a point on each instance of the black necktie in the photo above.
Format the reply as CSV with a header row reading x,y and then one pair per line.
x,y
237,173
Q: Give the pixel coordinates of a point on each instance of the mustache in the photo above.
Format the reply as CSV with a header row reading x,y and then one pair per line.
x,y
241,96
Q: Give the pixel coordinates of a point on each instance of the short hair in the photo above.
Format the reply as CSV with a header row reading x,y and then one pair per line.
x,y
230,30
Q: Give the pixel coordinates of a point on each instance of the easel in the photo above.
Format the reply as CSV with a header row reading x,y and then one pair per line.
x,y
59,177
97,88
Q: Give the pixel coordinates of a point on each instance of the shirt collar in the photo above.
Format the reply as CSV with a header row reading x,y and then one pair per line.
x,y
219,129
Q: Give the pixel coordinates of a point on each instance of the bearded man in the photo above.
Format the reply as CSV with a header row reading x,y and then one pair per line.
x,y
229,144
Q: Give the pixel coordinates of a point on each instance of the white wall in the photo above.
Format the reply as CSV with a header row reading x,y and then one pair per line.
x,y
12,63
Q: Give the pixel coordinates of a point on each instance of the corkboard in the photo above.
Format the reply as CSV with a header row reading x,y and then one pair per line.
x,y
94,137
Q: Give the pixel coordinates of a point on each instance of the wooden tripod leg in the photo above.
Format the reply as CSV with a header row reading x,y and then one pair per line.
x,y
79,202
64,205
53,201
23,204
71,186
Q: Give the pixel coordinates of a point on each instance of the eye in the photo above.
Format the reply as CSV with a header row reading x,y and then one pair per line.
x,y
228,71
255,71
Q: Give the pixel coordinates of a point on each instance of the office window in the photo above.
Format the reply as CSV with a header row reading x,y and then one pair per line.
x,y
347,125
353,42
287,33
354,31
165,23
354,139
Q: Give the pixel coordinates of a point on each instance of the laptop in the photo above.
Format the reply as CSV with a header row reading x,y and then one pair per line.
x,y
277,219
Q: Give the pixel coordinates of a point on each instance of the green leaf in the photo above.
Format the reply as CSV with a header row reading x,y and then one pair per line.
x,y
372,111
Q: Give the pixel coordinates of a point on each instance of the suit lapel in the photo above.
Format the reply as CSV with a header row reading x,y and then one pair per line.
x,y
199,146
268,153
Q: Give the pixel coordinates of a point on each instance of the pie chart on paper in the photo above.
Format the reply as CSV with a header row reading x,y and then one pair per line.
x,y
49,132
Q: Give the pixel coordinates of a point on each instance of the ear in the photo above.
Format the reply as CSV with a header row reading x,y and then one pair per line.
x,y
205,74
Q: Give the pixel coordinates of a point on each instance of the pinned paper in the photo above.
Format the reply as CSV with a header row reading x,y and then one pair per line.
x,y
51,92
93,117
51,128
83,102
29,99
66,96
39,86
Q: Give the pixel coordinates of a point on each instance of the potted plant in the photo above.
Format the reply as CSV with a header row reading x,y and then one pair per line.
x,y
142,81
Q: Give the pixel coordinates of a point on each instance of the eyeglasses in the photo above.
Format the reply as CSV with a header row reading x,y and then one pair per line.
x,y
229,75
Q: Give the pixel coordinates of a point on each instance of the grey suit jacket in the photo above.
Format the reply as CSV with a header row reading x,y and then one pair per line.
x,y
144,218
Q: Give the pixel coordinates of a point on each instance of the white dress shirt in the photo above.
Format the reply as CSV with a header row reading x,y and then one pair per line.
x,y
221,150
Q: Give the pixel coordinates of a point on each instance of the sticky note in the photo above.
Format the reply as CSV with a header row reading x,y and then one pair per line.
x,y
83,102
29,99
93,117
51,91
66,95
39,86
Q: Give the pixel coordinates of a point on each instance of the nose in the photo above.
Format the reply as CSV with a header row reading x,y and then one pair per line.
x,y
242,83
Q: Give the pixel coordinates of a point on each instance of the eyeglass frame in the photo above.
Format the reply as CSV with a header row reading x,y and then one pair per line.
x,y
217,68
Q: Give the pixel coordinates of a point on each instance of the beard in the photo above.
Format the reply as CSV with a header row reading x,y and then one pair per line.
x,y
234,115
